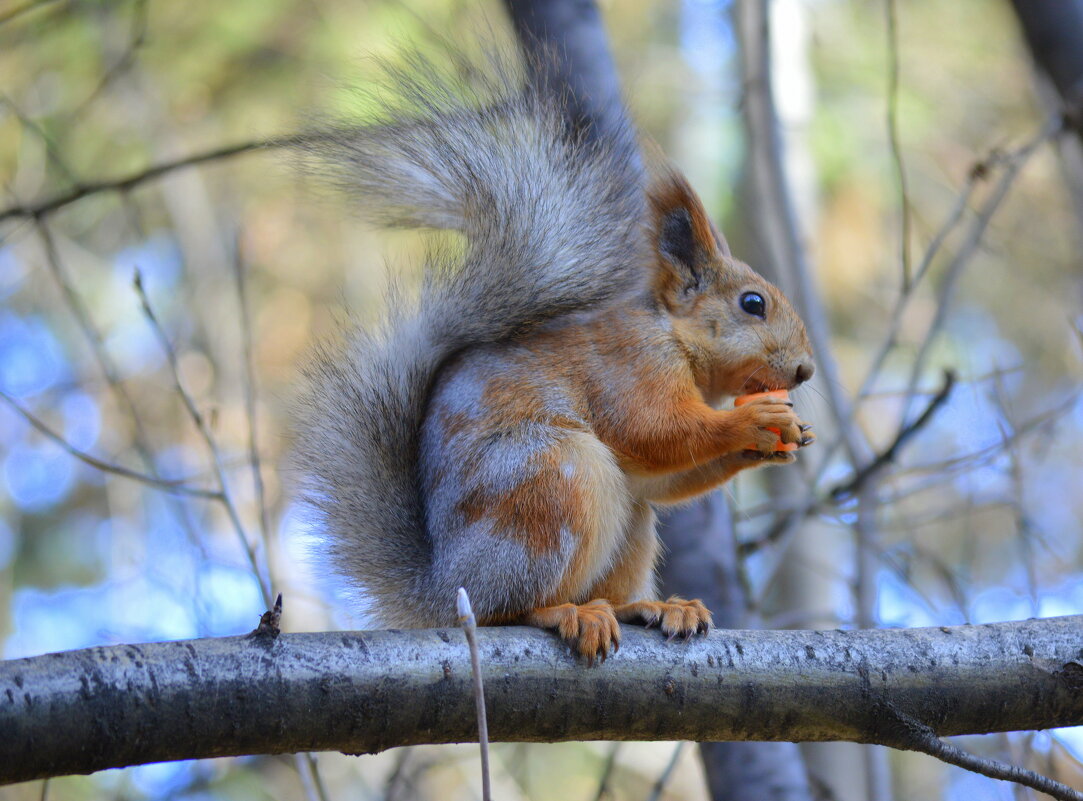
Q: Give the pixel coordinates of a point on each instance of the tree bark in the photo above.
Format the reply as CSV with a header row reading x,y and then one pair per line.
x,y
701,562
363,692
566,46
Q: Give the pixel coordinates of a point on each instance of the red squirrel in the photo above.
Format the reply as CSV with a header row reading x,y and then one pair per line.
x,y
509,427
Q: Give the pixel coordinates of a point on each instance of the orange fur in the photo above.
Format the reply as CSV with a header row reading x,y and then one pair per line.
x,y
623,400
557,376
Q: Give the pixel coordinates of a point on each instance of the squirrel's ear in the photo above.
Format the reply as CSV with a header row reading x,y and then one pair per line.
x,y
684,236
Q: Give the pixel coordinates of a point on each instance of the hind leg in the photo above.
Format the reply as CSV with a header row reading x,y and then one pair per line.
x,y
542,525
631,583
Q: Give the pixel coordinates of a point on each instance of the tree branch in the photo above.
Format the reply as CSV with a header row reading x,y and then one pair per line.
x,y
889,454
362,692
175,486
131,181
912,735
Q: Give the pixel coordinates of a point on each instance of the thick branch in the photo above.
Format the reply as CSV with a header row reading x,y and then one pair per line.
x,y
360,692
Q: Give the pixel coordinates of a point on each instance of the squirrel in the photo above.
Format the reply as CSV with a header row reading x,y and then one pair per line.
x,y
508,427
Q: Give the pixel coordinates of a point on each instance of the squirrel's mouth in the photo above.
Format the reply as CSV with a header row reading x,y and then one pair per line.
x,y
754,387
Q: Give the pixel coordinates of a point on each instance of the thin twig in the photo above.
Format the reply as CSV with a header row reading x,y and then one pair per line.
x,y
970,246
913,735
137,37
470,627
791,516
29,5
984,455
309,772
877,772
201,426
788,521
667,774
607,773
893,138
79,191
888,455
140,437
240,273
1024,530
175,487
50,146
398,774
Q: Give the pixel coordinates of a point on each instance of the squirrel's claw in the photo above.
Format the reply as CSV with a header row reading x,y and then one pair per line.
x,y
677,617
591,629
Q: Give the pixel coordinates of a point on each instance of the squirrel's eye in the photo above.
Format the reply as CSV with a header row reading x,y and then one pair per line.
x,y
753,303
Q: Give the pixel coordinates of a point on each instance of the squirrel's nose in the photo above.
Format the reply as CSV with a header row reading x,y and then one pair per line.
x,y
804,372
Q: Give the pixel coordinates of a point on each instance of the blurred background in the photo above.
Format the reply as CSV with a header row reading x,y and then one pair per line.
x,y
245,263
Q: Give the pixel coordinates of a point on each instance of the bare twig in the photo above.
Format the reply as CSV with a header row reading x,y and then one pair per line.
x,y
19,10
787,522
789,517
240,273
977,173
470,628
888,455
970,246
309,771
983,455
604,790
137,37
140,438
667,774
79,191
50,146
893,138
204,430
398,774
913,735
176,487
1024,529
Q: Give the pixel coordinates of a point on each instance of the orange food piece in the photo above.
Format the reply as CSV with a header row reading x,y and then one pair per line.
x,y
781,394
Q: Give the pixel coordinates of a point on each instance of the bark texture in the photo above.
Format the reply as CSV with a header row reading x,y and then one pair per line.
x,y
701,562
362,692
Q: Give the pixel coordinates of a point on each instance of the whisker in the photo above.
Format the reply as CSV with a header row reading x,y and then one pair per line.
x,y
753,375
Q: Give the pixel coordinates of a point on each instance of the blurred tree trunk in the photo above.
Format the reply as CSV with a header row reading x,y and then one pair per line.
x,y
813,581
567,37
703,560
1053,31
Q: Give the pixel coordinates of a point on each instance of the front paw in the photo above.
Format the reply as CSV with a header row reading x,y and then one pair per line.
x,y
773,426
675,616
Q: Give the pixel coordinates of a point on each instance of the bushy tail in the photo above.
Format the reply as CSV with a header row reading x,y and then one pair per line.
x,y
553,224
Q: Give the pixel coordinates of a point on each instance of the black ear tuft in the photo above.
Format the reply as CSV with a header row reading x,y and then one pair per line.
x,y
677,241
685,239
